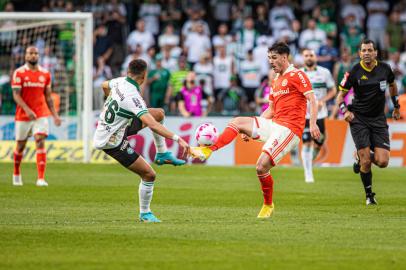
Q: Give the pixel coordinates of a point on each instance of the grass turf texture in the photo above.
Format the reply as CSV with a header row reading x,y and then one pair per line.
x,y
87,219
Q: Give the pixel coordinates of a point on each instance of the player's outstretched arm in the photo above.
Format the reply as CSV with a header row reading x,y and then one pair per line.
x,y
106,88
314,129
20,102
51,107
158,128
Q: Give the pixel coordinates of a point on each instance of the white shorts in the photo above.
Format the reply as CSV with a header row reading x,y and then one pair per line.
x,y
25,129
279,140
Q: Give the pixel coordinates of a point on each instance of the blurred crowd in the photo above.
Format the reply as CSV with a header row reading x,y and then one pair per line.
x,y
210,57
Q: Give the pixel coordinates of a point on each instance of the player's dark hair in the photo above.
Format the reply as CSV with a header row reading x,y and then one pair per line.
x,y
280,48
137,67
367,41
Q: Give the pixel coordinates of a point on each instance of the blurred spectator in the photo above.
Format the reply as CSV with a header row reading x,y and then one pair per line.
x,y
190,98
115,6
176,83
312,38
330,28
102,45
327,54
204,72
9,36
352,40
193,6
196,44
168,38
140,36
222,38
115,26
221,10
398,68
169,62
248,35
250,76
395,36
377,21
149,57
190,25
135,54
261,20
233,98
354,11
260,53
97,9
401,7
57,6
158,80
262,96
150,11
223,69
101,73
7,104
280,16
171,14
49,61
342,66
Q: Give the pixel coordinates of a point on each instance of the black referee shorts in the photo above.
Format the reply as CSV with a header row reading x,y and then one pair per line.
x,y
370,132
307,137
124,153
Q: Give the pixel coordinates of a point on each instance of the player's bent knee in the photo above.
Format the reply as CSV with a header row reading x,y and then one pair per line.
x,y
366,164
262,168
382,163
149,176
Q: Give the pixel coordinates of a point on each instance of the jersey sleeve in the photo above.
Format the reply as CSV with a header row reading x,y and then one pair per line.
x,y
347,82
329,80
391,76
303,83
137,106
48,81
16,82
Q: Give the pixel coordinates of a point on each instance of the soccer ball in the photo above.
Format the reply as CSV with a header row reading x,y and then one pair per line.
x,y
206,134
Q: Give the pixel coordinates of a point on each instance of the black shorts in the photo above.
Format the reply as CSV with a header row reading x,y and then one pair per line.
x,y
124,153
370,132
307,137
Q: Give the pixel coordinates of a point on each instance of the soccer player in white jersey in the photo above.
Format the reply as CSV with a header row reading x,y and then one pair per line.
x,y
125,113
324,90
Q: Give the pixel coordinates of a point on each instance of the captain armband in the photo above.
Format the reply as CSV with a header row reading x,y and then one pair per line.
x,y
343,107
395,101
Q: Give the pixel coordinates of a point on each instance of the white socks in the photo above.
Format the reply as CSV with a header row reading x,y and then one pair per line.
x,y
159,141
145,191
307,159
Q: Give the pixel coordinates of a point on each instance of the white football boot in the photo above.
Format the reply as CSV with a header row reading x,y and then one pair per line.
x,y
41,183
17,180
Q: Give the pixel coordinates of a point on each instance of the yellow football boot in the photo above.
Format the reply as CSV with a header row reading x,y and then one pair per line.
x,y
201,152
266,211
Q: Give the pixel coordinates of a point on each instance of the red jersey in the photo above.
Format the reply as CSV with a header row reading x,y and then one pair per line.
x,y
289,101
32,84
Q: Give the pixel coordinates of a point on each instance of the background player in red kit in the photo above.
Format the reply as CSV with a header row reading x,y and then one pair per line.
x,y
280,126
32,92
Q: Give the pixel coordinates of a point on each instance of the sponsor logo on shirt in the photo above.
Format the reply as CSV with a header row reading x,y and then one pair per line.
x,y
34,84
364,77
120,95
281,92
137,103
302,79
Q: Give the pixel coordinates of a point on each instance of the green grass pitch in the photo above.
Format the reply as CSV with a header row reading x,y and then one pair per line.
x,y
87,219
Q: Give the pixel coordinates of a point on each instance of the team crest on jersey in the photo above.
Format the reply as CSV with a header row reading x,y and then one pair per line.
x,y
382,85
41,78
26,78
284,82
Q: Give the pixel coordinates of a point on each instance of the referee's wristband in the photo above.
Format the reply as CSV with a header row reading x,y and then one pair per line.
x,y
343,107
395,101
175,138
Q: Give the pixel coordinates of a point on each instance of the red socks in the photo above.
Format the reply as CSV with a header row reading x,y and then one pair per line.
x,y
17,162
267,187
41,162
226,137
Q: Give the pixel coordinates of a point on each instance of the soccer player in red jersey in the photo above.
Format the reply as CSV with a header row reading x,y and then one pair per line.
x,y
280,126
32,92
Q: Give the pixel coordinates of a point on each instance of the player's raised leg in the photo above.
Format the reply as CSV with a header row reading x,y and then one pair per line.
x,y
41,159
163,156
238,125
146,188
264,164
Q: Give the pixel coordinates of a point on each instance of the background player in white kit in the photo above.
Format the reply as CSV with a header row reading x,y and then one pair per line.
x,y
324,90
125,113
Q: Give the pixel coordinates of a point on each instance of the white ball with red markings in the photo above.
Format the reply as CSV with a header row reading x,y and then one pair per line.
x,y
206,134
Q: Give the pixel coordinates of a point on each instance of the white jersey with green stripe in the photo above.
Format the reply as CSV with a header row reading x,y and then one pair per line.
x,y
122,105
321,80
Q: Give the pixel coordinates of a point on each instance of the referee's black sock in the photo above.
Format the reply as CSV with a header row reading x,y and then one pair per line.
x,y
367,181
